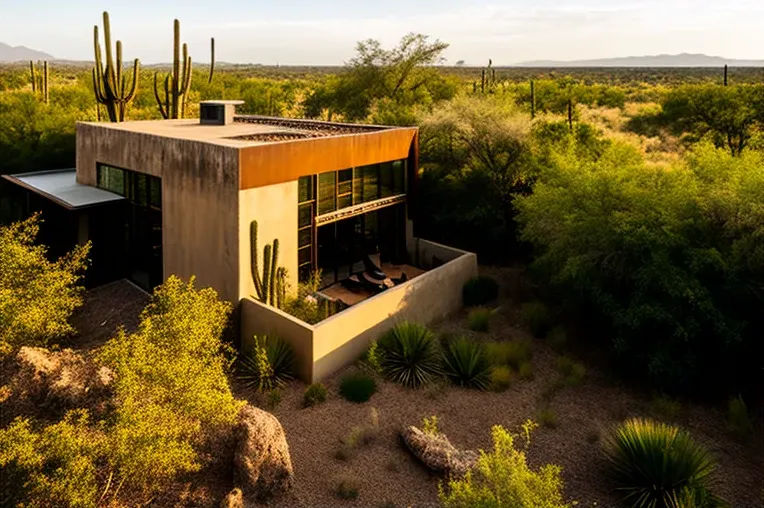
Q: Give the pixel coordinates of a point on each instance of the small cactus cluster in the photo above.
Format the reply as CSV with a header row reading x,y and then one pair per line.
x,y
40,82
487,79
271,285
177,83
110,85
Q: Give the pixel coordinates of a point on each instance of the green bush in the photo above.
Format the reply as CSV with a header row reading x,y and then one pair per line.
x,y
55,466
314,395
502,478
501,378
547,417
653,463
357,387
479,319
738,419
466,364
538,318
346,487
572,372
513,353
269,365
410,355
526,370
372,357
557,338
480,291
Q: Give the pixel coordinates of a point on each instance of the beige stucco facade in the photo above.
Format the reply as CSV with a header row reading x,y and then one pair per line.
x,y
217,179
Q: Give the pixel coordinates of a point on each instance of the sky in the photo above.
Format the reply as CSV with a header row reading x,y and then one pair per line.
x,y
324,32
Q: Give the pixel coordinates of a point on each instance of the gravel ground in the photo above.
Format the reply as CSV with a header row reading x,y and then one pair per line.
x,y
386,475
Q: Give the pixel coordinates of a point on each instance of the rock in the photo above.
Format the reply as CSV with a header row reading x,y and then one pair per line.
x,y
62,377
437,453
234,499
262,465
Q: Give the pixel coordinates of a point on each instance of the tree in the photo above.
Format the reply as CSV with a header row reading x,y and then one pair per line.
x,y
37,296
170,384
459,63
401,74
728,114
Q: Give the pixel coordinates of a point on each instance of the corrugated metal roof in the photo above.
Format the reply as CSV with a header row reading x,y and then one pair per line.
x,y
61,186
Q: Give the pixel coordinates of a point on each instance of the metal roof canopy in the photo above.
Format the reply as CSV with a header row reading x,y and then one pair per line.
x,y
61,187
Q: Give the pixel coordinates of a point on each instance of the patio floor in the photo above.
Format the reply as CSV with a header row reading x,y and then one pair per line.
x,y
352,297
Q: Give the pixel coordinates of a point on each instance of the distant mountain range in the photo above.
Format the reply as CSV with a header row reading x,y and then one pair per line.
x,y
682,60
18,53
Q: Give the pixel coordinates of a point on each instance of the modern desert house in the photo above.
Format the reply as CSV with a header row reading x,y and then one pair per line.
x,y
179,197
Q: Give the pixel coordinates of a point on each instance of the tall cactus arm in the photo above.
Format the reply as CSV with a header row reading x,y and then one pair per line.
x,y
175,69
110,69
212,60
134,87
254,253
162,109
118,81
34,76
274,270
266,273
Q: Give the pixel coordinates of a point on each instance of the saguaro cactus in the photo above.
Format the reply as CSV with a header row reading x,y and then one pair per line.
x,y
177,83
40,81
110,84
725,75
212,60
271,285
570,114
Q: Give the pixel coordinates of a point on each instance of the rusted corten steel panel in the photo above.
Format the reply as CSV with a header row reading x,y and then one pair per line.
x,y
274,163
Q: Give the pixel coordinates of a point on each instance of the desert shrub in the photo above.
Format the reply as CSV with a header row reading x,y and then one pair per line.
x,y
738,419
502,478
170,384
572,372
538,318
273,398
663,261
430,425
37,296
513,353
557,338
410,355
372,357
547,417
466,363
346,487
54,466
360,435
479,319
357,387
268,365
652,463
480,291
525,371
665,406
501,378
314,395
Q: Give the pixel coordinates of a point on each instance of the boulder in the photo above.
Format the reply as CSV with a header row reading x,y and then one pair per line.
x,y
437,453
234,499
262,465
62,377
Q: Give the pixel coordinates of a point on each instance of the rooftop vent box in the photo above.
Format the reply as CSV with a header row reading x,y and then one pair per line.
x,y
217,112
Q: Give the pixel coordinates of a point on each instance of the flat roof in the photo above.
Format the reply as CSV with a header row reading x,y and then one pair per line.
x,y
61,186
245,131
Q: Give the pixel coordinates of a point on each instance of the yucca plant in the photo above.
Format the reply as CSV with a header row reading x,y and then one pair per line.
x,y
409,355
656,465
268,365
466,364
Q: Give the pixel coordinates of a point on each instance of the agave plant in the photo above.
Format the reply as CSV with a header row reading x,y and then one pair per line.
x,y
409,355
466,363
656,465
268,365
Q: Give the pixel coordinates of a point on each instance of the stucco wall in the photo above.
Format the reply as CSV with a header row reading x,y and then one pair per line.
x,y
430,297
425,252
275,209
259,319
199,198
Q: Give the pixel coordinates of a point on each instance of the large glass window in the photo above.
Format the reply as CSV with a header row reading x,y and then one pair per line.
x,y
327,192
141,221
306,212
